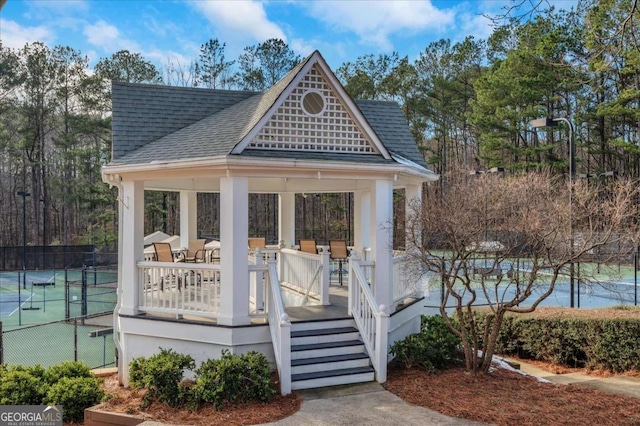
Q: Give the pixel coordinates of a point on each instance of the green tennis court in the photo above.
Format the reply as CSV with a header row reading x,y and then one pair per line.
x,y
51,316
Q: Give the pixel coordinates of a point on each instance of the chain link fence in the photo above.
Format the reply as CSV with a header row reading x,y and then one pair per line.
x,y
88,339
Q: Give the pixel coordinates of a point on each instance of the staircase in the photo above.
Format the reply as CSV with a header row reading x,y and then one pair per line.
x,y
328,353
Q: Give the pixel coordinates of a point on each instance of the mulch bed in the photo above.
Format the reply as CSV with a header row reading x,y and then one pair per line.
x,y
124,400
509,398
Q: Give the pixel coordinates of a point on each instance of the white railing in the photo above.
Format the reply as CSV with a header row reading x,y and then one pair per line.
x,y
404,283
371,319
179,288
302,272
257,272
280,328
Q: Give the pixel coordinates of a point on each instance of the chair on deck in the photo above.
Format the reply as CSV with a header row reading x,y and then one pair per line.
x,y
164,253
196,252
255,243
308,246
338,251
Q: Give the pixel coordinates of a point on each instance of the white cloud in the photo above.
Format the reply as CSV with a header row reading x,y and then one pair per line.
x,y
375,21
240,18
107,37
476,25
15,36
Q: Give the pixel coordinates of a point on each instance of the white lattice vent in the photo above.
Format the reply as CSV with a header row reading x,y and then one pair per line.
x,y
312,118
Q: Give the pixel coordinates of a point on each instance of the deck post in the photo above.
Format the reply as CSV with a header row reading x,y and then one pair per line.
x,y
287,218
131,244
188,217
382,342
325,279
234,251
382,241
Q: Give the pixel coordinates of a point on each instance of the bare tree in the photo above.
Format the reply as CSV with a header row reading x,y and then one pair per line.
x,y
504,242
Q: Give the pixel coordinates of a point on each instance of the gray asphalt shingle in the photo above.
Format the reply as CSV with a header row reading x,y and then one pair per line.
x,y
164,123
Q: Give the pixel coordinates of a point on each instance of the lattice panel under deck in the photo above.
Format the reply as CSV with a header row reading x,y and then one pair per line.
x,y
292,129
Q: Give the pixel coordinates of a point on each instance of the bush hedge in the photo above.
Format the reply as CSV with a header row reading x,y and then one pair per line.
x,y
162,375
70,384
233,379
599,343
227,380
434,348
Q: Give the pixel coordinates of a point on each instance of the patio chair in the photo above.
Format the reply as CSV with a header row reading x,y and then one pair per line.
x,y
338,252
196,252
255,243
308,246
164,253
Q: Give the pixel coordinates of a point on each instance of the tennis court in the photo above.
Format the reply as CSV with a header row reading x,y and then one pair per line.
x,y
56,315
610,286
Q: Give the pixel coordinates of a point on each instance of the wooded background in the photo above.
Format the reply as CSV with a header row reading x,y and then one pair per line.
x,y
469,105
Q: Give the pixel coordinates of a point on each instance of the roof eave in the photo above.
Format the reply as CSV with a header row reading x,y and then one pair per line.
x,y
232,164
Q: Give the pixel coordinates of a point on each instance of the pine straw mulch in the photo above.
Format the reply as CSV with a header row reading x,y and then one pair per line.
x,y
508,398
626,312
125,400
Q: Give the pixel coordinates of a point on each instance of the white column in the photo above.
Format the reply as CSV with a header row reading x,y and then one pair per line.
x,y
234,234
287,218
361,221
412,207
188,217
131,244
382,241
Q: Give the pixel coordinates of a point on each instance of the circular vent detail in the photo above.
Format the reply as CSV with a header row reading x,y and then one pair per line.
x,y
313,103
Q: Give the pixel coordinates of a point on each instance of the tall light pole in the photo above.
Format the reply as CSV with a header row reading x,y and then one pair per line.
x,y
24,195
553,122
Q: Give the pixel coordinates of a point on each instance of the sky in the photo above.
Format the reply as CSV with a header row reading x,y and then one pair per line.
x,y
174,30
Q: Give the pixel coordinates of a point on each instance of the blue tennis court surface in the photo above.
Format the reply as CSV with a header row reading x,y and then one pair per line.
x,y
17,289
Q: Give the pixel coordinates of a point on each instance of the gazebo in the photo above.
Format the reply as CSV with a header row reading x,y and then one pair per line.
x,y
304,135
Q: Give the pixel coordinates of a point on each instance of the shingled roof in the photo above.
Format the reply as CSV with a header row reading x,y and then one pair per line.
x,y
163,123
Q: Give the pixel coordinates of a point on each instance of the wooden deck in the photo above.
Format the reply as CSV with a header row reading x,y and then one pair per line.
x,y
338,297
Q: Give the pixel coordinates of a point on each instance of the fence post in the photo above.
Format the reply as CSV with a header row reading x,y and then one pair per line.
x,y
84,293
1,345
67,310
75,339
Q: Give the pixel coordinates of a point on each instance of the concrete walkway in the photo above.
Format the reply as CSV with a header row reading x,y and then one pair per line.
x,y
619,385
362,404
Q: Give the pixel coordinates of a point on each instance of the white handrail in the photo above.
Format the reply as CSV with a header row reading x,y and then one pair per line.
x,y
371,319
280,328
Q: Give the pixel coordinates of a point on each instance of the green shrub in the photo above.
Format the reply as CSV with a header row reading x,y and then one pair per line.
x,y
611,344
22,385
558,340
434,348
75,394
68,369
614,345
233,379
161,374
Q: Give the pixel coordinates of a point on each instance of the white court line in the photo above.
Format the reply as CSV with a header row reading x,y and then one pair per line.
x,y
16,310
